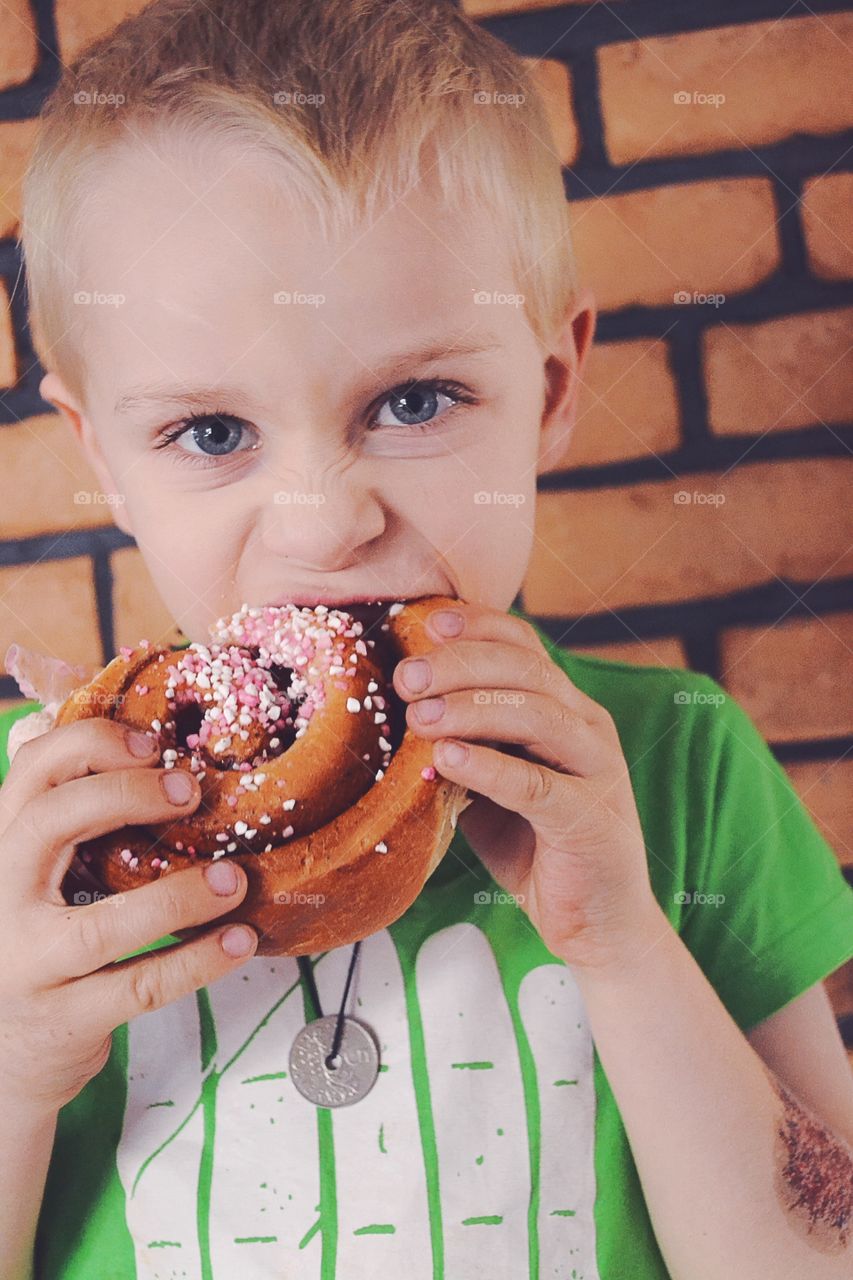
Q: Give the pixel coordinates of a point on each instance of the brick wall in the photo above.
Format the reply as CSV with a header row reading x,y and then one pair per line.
x,y
699,517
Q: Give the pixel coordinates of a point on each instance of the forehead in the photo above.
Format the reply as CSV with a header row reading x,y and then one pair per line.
x,y
198,254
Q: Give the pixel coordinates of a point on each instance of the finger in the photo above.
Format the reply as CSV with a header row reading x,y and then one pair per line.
x,y
111,997
71,751
480,622
48,827
474,664
550,801
560,738
99,934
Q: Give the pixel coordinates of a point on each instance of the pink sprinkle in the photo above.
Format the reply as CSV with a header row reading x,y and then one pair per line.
x,y
231,801
191,849
142,689
155,862
125,651
288,831
192,739
428,773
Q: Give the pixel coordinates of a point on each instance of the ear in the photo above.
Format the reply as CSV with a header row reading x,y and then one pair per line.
x,y
563,374
54,391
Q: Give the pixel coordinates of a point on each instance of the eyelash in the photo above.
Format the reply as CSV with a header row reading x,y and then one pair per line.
x,y
171,434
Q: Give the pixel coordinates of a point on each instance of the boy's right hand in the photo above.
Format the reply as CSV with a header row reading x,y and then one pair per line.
x,y
61,994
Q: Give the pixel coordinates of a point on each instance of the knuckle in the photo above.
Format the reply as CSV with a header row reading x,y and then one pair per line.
x,y
537,786
147,988
92,924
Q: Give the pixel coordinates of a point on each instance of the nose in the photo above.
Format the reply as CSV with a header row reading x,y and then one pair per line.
x,y
320,524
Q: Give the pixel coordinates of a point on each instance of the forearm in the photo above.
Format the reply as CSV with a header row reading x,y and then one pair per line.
x,y
26,1143
738,1181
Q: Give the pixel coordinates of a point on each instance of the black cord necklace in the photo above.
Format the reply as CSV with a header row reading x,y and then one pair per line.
x,y
334,1060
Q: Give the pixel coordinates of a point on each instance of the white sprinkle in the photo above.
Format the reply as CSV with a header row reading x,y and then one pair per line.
x,y
265,818
381,847
231,847
288,831
379,717
155,724
353,704
240,827
253,831
384,744
380,773
394,610
289,804
372,686
259,778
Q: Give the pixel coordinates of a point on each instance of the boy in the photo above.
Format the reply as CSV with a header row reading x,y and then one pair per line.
x,y
314,367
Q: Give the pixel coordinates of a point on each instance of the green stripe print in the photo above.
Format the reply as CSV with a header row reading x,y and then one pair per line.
x,y
469,1155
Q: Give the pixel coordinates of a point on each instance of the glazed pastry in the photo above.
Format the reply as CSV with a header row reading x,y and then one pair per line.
x,y
308,773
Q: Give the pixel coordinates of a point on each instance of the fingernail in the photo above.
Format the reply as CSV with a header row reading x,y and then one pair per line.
x,y
447,622
429,710
452,753
238,941
415,674
221,876
177,785
140,744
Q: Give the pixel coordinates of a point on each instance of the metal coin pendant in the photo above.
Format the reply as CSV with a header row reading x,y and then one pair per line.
x,y
355,1070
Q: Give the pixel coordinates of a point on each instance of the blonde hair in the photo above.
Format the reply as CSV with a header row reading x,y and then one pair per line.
x,y
346,100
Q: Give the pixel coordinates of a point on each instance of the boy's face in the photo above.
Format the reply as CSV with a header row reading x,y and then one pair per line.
x,y
322,473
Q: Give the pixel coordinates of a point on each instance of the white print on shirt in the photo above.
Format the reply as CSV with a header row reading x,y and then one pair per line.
x,y
428,1176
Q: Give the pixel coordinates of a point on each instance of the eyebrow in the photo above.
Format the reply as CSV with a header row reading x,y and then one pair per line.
x,y
428,352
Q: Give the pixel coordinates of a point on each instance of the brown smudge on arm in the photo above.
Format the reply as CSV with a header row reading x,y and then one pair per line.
x,y
813,1175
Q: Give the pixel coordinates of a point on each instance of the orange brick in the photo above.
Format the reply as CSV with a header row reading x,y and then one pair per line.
x,y
78,24
554,85
8,358
794,678
666,652
17,138
627,406
776,78
826,217
138,611
484,8
644,247
50,606
826,789
61,490
781,374
17,42
613,547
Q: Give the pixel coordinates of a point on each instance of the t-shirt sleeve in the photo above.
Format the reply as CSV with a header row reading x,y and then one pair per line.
x,y
770,913
7,719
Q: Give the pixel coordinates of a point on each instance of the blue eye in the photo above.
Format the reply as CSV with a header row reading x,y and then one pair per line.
x,y
416,404
215,435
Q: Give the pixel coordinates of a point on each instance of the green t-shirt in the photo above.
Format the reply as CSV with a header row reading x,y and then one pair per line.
x,y
491,1144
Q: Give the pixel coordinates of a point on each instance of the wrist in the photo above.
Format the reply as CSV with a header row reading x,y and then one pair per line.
x,y
620,963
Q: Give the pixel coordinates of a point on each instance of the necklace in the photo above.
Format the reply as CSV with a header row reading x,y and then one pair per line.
x,y
334,1061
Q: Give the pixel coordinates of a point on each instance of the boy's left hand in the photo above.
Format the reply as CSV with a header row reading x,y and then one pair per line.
x,y
555,822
